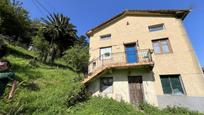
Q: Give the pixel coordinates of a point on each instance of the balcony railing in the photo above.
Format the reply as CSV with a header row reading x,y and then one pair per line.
x,y
121,58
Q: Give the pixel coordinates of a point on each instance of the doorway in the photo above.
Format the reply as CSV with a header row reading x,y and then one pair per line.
x,y
131,53
135,89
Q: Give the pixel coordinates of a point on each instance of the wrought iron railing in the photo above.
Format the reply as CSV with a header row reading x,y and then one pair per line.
x,y
119,58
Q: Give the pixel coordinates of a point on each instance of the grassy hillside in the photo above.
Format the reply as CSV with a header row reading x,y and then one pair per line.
x,y
41,88
104,106
44,89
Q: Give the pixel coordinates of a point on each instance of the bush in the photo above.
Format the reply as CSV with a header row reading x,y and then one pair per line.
x,y
77,95
150,109
103,106
180,111
42,47
77,57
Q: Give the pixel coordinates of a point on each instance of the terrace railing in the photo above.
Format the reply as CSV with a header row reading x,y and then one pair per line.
x,y
120,58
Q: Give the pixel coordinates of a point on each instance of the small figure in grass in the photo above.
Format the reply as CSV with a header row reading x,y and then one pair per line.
x,y
6,75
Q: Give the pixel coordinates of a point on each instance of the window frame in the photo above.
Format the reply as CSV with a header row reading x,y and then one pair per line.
x,y
151,27
100,56
105,37
169,79
160,45
93,64
101,89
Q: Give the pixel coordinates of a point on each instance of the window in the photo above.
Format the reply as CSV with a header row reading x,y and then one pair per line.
x,y
161,46
157,27
105,53
105,37
106,84
94,65
171,84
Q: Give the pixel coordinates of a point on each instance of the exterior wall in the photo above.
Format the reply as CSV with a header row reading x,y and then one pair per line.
x,y
121,86
181,61
193,103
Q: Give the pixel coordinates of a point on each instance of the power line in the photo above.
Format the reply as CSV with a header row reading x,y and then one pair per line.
x,y
44,8
37,7
51,6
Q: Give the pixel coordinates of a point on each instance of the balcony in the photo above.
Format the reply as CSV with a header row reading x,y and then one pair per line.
x,y
140,58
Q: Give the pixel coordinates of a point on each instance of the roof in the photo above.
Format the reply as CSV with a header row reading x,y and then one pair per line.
x,y
180,14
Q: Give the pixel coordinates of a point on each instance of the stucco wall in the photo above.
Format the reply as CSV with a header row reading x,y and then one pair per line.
x,y
182,61
190,102
121,86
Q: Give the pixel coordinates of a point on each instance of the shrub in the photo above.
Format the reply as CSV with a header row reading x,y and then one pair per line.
x,y
77,95
42,47
77,57
149,109
179,110
103,106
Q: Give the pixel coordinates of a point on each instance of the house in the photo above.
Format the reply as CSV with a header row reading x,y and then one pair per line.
x,y
145,55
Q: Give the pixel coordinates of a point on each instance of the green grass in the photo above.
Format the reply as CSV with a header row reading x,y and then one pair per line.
x,y
103,106
41,88
152,110
44,90
106,106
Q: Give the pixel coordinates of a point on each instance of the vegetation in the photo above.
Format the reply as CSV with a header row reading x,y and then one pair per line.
x,y
78,58
51,36
41,88
2,48
59,33
42,46
44,89
14,21
152,110
54,89
103,106
106,106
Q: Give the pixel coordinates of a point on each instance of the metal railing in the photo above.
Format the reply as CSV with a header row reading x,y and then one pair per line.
x,y
139,56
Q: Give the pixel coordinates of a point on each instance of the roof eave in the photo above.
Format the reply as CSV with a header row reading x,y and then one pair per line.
x,y
179,14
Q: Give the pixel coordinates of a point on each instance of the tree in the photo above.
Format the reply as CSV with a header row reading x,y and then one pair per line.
x,y
41,45
77,57
82,41
14,20
60,34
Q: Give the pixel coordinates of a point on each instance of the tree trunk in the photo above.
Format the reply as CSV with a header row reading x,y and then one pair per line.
x,y
44,58
52,55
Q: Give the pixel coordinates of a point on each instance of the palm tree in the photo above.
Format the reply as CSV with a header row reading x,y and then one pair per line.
x,y
60,33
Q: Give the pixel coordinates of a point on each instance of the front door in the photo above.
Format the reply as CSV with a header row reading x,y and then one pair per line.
x,y
131,53
135,89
